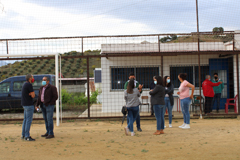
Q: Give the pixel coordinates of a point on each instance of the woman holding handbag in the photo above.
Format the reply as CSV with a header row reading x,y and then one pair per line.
x,y
157,100
131,95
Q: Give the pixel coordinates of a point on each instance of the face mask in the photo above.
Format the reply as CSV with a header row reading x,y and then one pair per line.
x,y
44,83
216,77
155,82
32,80
168,80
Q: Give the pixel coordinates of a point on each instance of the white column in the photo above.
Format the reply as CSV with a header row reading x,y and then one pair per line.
x,y
57,85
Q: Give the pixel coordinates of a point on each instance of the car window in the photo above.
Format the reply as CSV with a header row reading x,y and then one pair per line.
x,y
37,84
4,87
17,86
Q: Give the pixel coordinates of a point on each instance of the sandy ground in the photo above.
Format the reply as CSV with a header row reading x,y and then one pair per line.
x,y
207,139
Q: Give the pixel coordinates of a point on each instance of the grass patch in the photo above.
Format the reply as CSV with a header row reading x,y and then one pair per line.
x,y
144,151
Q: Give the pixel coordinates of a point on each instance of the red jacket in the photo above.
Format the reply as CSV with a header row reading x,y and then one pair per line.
x,y
207,87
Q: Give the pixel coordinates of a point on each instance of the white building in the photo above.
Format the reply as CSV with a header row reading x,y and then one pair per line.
x,y
115,70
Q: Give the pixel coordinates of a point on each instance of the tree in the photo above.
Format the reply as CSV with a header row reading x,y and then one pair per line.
x,y
218,30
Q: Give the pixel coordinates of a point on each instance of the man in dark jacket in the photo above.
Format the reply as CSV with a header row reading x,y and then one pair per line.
x,y
208,92
47,100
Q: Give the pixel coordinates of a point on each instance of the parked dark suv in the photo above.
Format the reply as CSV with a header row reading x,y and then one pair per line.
x,y
11,90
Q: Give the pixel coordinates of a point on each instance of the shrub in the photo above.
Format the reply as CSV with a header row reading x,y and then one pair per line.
x,y
4,72
38,61
10,73
93,98
93,66
49,69
66,96
39,69
22,63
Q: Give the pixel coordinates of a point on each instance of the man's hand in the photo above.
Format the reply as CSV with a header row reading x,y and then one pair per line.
x,y
178,93
140,86
221,82
36,108
32,94
191,97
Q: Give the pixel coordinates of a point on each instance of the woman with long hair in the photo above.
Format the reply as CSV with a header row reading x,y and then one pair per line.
x,y
185,99
131,95
157,100
169,101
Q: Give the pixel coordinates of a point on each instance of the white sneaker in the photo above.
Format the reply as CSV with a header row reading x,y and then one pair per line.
x,y
164,126
126,130
187,126
182,125
170,125
132,133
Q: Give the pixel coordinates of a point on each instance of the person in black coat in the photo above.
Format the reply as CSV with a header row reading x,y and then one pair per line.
x,y
152,86
169,101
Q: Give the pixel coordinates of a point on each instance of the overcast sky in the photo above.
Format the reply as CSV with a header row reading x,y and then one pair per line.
x,y
57,18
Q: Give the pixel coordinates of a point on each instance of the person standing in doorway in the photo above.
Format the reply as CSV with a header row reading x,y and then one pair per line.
x,y
185,99
47,100
139,87
152,86
131,95
208,92
27,102
169,101
217,91
157,99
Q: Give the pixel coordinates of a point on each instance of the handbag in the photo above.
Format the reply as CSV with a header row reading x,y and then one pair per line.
x,y
124,110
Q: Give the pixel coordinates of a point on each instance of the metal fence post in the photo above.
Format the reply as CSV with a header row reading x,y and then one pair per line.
x,y
88,92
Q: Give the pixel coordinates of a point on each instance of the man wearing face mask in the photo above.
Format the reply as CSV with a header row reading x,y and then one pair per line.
x,y
208,92
47,101
27,102
217,91
139,86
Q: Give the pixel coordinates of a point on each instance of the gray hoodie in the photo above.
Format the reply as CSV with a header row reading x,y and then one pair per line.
x,y
132,100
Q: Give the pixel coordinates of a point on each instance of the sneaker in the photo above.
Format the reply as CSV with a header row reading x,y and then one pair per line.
x,y
132,133
126,130
182,125
22,138
29,139
139,129
165,126
187,126
170,125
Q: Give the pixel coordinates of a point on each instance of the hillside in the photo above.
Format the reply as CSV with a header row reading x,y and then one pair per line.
x,y
71,67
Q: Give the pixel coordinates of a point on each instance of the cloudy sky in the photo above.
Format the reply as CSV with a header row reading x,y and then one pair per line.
x,y
51,18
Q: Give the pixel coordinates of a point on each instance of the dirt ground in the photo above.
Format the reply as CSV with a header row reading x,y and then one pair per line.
x,y
102,140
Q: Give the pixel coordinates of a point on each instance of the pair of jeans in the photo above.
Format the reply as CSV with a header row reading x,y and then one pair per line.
x,y
208,104
133,113
48,117
217,98
27,121
137,121
169,108
185,103
159,114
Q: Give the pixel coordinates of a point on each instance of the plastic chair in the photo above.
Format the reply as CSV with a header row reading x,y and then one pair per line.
x,y
146,103
196,101
234,104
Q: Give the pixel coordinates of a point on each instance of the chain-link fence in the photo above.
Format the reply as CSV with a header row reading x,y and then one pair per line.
x,y
94,70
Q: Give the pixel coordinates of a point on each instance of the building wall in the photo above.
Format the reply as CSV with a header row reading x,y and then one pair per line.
x,y
112,101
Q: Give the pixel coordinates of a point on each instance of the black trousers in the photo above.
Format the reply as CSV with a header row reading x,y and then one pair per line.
x,y
208,104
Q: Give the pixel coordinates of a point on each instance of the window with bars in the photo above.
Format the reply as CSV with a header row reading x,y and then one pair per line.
x,y
192,74
144,75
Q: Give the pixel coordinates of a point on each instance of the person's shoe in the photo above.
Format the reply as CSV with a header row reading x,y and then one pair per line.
x,y
165,126
45,135
139,129
182,125
22,138
170,125
217,111
50,136
162,132
187,126
132,134
29,139
158,132
126,130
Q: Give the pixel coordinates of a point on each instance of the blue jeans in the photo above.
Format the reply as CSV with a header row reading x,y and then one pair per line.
x,y
217,98
137,121
185,103
27,121
169,108
48,117
133,112
159,114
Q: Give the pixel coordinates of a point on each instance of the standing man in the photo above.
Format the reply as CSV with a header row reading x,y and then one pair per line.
x,y
27,103
207,87
217,91
47,101
139,86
